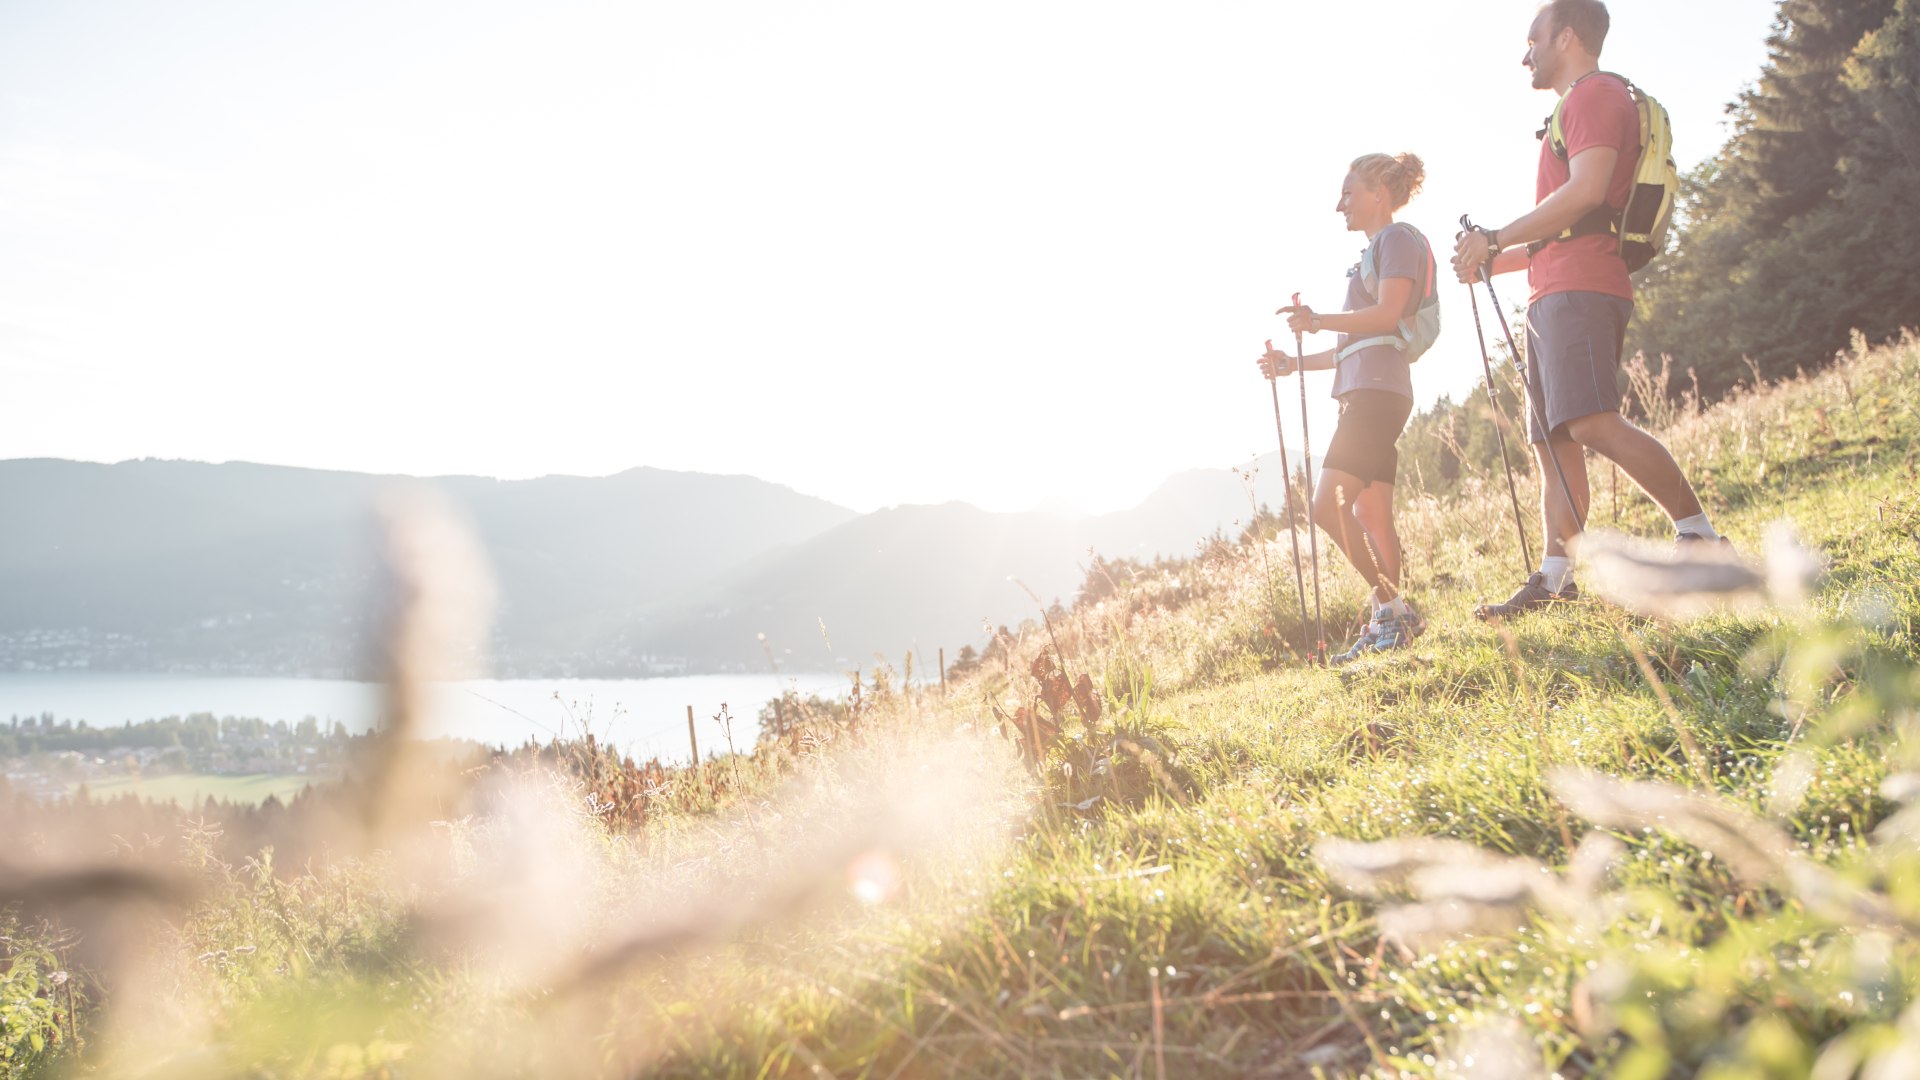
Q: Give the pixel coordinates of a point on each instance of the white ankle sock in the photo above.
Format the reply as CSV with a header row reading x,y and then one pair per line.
x,y
1698,525
1398,605
1558,570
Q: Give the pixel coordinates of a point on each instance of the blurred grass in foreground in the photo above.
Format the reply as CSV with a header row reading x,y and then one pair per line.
x,y
1138,840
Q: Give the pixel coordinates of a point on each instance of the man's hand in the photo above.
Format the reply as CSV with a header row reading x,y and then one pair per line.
x,y
1471,252
1299,318
1275,364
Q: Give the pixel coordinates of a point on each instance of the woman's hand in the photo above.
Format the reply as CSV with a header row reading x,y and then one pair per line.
x,y
1300,318
1275,364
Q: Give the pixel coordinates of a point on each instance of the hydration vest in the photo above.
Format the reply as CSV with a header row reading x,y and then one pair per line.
x,y
1420,325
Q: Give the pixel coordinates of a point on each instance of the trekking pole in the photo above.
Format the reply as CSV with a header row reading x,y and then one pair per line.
x,y
1499,433
1526,384
1313,537
1286,480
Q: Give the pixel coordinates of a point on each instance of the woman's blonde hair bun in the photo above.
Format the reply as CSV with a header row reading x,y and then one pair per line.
x,y
1399,175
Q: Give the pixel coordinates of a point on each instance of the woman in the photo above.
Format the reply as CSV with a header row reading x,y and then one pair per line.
x,y
1379,337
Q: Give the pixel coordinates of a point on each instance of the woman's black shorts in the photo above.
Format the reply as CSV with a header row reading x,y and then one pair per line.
x,y
1370,423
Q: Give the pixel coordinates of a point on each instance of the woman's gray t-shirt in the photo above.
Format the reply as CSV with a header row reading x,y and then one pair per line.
x,y
1398,252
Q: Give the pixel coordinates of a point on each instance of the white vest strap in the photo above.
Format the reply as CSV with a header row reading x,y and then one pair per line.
x,y
1352,347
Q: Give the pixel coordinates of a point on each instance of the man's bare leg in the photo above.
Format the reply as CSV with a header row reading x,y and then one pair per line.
x,y
1558,521
1642,457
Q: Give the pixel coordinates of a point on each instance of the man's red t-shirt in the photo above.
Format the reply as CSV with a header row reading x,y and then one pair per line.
x,y
1598,111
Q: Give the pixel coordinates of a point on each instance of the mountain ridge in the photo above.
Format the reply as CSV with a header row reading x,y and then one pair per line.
x,y
248,568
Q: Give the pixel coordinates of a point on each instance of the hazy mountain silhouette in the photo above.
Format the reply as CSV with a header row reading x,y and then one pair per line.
x,y
243,566
926,577
909,577
172,565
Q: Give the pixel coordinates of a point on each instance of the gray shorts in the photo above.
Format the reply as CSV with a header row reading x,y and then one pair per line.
x,y
1573,357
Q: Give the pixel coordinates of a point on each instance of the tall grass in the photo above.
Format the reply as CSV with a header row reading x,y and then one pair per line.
x,y
1141,840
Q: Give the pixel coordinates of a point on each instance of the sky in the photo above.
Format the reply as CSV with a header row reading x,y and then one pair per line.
x,y
882,251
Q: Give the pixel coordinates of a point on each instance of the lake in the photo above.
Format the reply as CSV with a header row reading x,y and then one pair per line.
x,y
643,717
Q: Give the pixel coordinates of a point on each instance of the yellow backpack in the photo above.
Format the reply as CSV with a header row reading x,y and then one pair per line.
x,y
1642,224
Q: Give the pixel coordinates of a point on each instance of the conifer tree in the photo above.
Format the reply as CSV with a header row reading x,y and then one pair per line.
x,y
1800,230
1791,125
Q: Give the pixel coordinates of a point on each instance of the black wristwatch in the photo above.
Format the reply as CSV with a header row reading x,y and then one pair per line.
x,y
1493,242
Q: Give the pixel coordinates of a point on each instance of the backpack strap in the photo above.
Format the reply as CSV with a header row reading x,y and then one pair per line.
x,y
1604,218
1600,219
1422,294
1419,297
1550,131
1422,289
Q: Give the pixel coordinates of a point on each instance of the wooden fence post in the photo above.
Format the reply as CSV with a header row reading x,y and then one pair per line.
x,y
943,671
693,739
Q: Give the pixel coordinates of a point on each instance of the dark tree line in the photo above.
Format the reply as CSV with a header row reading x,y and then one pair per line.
x,y
198,731
1804,227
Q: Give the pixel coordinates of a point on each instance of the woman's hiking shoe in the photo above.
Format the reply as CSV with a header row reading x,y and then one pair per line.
x,y
1387,631
1413,622
1359,648
1531,597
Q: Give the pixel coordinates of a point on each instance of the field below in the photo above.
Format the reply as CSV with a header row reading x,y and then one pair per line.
x,y
190,789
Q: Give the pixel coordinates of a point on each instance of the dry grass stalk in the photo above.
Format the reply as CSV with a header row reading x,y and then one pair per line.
x,y
441,599
1758,852
1682,581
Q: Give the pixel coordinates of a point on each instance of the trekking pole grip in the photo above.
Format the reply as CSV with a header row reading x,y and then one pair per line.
x,y
1486,268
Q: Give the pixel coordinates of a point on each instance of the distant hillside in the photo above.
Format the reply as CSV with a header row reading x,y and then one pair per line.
x,y
164,565
240,568
926,577
911,577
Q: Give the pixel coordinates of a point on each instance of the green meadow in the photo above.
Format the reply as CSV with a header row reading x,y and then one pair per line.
x,y
189,789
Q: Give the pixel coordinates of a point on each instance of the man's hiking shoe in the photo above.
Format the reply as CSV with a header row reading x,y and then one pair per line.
x,y
1687,540
1387,631
1531,597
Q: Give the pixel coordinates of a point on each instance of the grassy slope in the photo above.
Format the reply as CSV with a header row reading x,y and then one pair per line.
x,y
1168,917
1450,740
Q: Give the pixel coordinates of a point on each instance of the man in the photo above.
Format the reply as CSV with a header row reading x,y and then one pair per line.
x,y
1580,297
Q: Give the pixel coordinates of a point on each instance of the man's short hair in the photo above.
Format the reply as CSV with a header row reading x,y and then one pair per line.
x,y
1587,18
